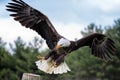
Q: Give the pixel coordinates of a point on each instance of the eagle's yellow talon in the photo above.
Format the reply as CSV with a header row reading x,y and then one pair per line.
x,y
40,57
54,63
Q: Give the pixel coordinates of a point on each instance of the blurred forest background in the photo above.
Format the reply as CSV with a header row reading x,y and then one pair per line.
x,y
83,65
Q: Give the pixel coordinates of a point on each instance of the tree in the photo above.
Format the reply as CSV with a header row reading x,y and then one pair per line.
x,y
92,28
112,68
6,63
21,60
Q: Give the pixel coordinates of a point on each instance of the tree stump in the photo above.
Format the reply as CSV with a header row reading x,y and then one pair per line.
x,y
30,76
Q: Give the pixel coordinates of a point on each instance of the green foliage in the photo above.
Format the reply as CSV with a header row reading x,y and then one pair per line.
x,y
21,60
83,65
92,28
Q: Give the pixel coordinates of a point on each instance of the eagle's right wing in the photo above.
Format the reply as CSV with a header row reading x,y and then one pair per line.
x,y
35,20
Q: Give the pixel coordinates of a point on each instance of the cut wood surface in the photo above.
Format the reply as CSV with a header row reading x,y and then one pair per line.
x,y
30,76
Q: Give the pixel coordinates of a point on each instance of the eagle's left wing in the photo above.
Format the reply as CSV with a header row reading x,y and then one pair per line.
x,y
102,46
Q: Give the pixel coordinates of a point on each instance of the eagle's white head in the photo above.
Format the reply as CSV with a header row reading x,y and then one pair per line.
x,y
63,43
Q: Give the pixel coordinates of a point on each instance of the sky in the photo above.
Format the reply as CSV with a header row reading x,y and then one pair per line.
x,y
69,17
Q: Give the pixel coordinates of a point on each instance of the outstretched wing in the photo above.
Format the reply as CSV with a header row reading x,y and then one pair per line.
x,y
102,46
35,20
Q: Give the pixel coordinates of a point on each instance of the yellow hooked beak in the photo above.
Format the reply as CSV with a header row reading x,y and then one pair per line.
x,y
58,47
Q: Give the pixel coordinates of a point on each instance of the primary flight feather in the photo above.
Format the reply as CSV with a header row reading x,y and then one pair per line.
x,y
101,46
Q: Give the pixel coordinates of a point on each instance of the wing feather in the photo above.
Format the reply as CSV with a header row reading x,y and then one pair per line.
x,y
103,51
14,5
35,20
107,47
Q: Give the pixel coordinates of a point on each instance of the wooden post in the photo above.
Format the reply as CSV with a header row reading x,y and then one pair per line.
x,y
30,76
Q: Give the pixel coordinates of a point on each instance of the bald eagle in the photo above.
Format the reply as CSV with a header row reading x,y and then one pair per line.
x,y
101,46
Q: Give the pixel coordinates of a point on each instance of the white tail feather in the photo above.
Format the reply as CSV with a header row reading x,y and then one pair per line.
x,y
47,66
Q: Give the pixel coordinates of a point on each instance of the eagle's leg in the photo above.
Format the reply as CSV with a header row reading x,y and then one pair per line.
x,y
58,60
50,54
46,56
